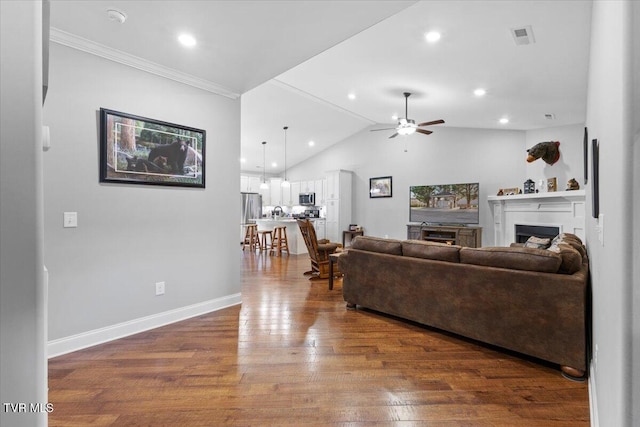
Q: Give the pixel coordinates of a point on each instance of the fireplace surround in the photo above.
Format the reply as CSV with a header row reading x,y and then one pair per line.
x,y
561,211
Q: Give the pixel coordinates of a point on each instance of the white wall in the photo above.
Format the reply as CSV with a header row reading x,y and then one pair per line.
x,y
635,254
571,152
103,273
609,119
22,292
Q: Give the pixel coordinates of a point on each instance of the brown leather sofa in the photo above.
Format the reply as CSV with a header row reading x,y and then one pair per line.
x,y
532,301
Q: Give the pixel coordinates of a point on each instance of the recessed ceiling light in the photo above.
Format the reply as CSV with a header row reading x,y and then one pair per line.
x,y
274,165
187,40
351,96
504,120
432,36
480,92
311,143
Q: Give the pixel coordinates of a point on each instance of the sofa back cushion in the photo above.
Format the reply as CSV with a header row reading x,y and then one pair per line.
x,y
431,250
518,258
376,244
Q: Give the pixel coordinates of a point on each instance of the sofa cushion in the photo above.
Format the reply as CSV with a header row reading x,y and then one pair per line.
x,y
537,242
570,239
376,244
571,258
431,250
530,259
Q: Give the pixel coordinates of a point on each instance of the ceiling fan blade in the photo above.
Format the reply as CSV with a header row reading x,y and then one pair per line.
x,y
426,132
374,130
394,135
435,122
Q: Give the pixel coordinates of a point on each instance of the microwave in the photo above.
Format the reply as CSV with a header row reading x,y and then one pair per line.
x,y
307,199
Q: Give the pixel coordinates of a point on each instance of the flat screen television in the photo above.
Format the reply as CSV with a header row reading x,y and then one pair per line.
x,y
444,204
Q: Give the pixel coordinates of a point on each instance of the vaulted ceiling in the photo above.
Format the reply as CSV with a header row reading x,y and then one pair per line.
x,y
294,63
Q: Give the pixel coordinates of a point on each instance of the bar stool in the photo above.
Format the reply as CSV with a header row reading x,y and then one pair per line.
x,y
251,237
262,239
279,241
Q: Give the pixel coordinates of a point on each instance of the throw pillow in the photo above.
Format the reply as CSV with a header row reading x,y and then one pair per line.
x,y
571,258
537,242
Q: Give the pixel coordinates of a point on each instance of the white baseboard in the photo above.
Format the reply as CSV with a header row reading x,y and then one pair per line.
x,y
593,398
99,336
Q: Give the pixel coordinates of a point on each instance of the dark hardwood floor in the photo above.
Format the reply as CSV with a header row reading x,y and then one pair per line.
x,y
292,355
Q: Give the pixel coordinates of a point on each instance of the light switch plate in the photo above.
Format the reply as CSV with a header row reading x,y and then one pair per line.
x,y
70,219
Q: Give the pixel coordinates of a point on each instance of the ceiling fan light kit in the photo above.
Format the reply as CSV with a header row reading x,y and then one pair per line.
x,y
407,126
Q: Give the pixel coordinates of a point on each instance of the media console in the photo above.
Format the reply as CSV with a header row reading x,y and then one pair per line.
x,y
450,234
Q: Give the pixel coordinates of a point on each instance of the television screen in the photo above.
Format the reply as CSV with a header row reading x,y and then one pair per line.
x,y
444,204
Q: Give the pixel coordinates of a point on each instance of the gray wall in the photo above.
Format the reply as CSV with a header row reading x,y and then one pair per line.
x,y
22,291
130,236
610,117
494,158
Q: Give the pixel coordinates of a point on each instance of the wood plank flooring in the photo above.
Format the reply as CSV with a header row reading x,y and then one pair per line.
x,y
292,355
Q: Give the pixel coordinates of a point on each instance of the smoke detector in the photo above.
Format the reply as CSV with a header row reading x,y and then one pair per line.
x,y
116,16
523,35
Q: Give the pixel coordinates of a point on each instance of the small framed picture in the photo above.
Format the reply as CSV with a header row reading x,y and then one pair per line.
x,y
552,184
139,150
380,187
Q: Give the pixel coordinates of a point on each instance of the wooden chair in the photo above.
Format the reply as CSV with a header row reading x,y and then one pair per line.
x,y
251,237
319,251
279,241
262,239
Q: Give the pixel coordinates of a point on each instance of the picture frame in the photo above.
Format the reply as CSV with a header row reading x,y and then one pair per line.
x,y
512,191
585,149
144,151
595,163
380,187
552,184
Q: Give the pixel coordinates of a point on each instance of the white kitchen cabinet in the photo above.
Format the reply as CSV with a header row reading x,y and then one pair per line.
x,y
287,199
338,204
320,226
250,183
320,191
275,187
295,192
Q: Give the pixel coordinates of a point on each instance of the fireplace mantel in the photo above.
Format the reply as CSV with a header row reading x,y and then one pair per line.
x,y
562,209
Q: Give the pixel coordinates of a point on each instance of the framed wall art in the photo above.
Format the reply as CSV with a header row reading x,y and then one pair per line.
x,y
380,187
595,164
139,150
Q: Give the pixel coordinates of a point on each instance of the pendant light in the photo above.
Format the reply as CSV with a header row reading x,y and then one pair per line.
x,y
285,183
263,184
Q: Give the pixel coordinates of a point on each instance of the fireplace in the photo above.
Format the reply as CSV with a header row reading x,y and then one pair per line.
x,y
523,232
562,210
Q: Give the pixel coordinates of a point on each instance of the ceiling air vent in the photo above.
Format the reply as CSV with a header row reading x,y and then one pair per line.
x,y
523,35
550,116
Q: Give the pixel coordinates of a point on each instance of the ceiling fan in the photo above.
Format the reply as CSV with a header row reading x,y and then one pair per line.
x,y
407,126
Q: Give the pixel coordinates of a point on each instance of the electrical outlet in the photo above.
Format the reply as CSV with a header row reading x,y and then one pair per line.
x,y
159,288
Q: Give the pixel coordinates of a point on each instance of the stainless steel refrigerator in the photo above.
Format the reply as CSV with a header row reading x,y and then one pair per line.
x,y
251,210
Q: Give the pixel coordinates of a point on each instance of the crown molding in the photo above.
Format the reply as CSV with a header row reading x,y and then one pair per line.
x,y
287,86
70,40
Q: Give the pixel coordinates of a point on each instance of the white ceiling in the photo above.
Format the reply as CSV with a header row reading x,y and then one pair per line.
x,y
295,62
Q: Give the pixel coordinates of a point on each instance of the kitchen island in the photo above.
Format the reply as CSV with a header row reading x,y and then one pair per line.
x,y
294,237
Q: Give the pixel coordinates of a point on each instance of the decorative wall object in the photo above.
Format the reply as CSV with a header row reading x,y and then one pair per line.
x,y
380,187
138,150
586,154
549,151
595,160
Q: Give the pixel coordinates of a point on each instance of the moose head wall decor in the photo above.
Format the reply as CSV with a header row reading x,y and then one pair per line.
x,y
549,151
